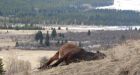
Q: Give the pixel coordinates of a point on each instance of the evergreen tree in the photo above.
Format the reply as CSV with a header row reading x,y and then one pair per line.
x,y
80,44
66,28
58,42
122,38
54,33
62,35
59,28
62,42
136,29
89,33
47,40
1,68
17,44
39,37
66,41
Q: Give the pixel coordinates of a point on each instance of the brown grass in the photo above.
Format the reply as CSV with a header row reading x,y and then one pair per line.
x,y
15,66
123,59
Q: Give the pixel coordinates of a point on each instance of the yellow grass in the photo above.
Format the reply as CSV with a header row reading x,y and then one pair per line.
x,y
121,60
32,56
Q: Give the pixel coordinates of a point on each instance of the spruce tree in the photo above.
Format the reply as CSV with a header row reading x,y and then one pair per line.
x,y
66,28
54,33
66,41
17,44
80,44
62,42
89,33
47,39
59,28
39,37
58,43
62,35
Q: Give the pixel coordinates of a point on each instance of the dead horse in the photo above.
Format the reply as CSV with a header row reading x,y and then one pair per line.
x,y
71,53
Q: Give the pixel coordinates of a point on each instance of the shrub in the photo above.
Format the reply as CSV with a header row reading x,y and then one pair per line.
x,y
43,60
16,66
1,68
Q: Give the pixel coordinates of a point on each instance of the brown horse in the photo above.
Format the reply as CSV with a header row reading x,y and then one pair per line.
x,y
71,53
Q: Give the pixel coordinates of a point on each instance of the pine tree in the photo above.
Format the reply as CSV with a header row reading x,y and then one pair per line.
x,y
1,68
66,41
66,28
39,37
80,44
54,33
89,33
47,40
58,43
62,42
62,35
122,38
59,28
17,44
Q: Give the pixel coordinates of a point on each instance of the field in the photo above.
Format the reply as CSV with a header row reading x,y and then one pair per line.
x,y
8,50
32,56
121,60
122,57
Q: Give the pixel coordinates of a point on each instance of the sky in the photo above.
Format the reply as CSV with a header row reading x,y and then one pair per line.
x,y
124,5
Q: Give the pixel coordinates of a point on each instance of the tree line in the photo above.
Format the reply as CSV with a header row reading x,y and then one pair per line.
x,y
56,38
70,12
73,16
22,27
46,41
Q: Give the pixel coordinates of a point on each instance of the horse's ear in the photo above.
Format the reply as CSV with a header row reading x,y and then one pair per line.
x,y
97,51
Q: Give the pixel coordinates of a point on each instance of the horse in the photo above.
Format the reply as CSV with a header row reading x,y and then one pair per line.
x,y
71,53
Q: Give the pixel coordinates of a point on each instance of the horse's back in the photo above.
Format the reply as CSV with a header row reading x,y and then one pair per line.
x,y
68,48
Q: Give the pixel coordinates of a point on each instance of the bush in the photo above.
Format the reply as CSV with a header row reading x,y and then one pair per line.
x,y
1,68
43,60
16,66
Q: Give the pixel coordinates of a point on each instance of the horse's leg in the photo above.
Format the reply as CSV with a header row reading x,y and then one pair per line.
x,y
55,57
60,60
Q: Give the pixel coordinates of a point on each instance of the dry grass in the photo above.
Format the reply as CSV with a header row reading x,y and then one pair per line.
x,y
15,66
32,56
121,60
